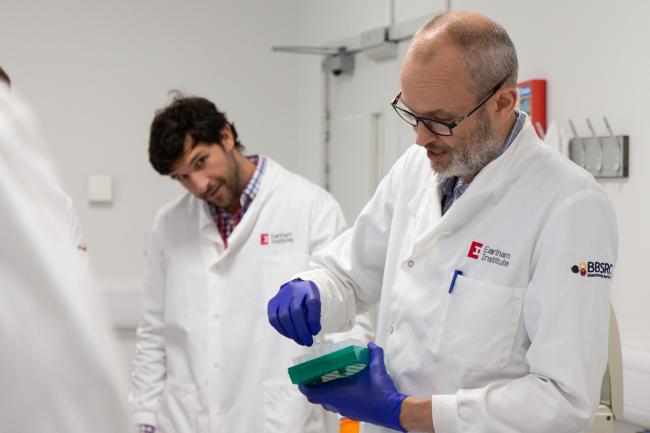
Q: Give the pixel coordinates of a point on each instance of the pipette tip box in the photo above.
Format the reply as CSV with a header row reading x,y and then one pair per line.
x,y
337,364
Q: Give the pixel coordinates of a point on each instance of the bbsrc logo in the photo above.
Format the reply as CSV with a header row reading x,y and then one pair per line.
x,y
593,269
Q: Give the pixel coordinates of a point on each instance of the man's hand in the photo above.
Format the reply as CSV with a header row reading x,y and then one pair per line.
x,y
295,311
369,395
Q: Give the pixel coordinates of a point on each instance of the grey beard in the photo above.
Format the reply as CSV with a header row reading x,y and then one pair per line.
x,y
468,161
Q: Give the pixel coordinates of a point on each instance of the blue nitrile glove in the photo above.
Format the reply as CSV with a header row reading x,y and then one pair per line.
x,y
368,396
295,311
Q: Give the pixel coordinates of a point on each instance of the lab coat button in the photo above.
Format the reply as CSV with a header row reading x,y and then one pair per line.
x,y
411,263
216,316
216,365
391,329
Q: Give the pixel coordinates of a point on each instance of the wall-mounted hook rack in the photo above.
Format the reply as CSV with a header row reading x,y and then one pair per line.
x,y
603,156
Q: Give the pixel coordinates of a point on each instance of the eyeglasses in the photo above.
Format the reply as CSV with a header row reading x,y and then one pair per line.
x,y
435,126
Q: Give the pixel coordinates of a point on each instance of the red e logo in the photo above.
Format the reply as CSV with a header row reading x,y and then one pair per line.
x,y
264,239
474,250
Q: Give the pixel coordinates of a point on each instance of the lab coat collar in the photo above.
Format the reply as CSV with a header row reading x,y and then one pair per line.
x,y
483,189
430,196
208,227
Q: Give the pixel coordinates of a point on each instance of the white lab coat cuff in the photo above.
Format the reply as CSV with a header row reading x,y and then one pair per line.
x,y
445,412
148,418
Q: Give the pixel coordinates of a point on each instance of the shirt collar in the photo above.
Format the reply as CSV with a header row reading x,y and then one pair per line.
x,y
447,184
253,185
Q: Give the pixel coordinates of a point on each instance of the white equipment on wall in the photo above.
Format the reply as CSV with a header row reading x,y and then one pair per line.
x,y
602,156
611,394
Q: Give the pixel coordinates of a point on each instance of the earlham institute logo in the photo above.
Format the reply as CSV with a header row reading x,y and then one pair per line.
x,y
475,250
276,238
482,252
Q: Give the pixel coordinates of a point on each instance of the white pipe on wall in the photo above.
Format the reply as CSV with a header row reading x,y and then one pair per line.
x,y
326,134
390,13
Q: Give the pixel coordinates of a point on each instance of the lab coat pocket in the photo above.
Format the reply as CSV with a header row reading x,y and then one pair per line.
x,y
476,325
278,269
286,410
179,408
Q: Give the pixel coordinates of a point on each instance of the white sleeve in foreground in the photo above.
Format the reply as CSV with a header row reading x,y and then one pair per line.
x,y
59,368
349,270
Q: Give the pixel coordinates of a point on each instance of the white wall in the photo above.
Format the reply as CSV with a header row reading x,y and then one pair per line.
x,y
96,71
321,23
594,55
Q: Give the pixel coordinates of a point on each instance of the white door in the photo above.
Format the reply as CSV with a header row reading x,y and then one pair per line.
x,y
366,135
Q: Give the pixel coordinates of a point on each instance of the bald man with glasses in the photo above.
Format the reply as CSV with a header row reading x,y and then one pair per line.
x,y
472,246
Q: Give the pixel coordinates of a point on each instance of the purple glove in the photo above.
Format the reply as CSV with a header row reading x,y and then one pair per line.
x,y
295,311
368,396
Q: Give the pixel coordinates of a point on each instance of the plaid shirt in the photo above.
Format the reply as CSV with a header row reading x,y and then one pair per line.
x,y
453,187
226,221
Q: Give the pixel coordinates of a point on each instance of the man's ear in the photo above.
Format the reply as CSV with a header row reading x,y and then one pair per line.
x,y
506,101
227,138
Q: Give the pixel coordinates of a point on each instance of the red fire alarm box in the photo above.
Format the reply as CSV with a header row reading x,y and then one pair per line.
x,y
532,100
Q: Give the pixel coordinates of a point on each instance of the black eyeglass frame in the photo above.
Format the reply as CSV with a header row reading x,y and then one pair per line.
x,y
450,125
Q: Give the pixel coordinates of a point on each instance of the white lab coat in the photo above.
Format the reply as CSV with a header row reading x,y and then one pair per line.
x,y
516,348
58,368
207,359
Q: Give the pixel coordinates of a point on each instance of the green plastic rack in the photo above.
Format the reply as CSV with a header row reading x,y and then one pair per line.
x,y
335,365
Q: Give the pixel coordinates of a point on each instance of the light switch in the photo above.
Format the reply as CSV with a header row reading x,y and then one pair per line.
x,y
100,188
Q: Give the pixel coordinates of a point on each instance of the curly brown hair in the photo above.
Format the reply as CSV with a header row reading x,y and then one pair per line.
x,y
185,116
